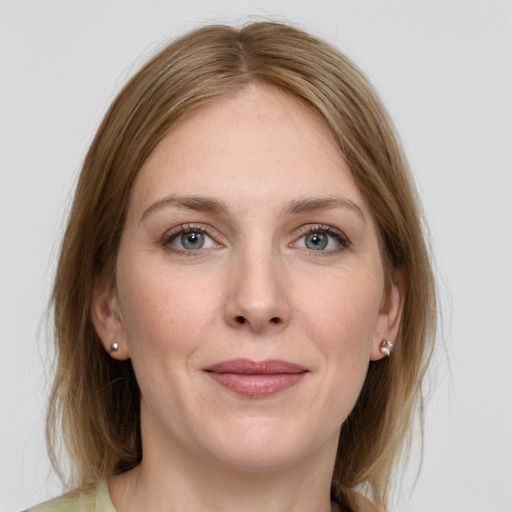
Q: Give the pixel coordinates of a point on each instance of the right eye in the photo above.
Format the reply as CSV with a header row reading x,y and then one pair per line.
x,y
189,240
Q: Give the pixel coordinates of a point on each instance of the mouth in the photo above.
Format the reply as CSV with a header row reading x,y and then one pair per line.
x,y
256,379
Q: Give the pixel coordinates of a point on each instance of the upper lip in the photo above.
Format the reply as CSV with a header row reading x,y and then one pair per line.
x,y
249,367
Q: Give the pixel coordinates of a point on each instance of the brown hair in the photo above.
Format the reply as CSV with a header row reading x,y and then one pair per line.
x,y
95,399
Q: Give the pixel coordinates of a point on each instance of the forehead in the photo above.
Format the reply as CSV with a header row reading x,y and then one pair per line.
x,y
260,143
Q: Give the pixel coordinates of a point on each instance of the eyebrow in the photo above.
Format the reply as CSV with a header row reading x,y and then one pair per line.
x,y
196,203
295,207
314,204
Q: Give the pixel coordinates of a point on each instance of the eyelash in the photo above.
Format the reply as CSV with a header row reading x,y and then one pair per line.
x,y
340,238
184,229
169,237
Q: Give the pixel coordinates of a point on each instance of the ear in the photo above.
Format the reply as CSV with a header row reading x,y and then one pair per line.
x,y
390,314
107,321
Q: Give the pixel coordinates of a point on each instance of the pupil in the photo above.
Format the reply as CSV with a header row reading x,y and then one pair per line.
x,y
192,240
316,241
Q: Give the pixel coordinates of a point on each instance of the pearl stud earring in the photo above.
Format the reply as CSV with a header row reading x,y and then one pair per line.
x,y
386,347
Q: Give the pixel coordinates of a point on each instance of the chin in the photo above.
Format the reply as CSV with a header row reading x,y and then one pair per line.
x,y
269,446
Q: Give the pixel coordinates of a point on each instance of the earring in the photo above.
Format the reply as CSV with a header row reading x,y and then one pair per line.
x,y
386,347
114,347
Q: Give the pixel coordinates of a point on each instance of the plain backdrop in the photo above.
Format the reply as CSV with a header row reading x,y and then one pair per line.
x,y
443,68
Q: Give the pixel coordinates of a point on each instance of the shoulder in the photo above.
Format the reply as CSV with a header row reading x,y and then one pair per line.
x,y
95,498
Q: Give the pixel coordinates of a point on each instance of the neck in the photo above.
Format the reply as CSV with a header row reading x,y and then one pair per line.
x,y
215,492
176,479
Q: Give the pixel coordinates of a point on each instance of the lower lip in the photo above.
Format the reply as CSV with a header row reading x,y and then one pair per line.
x,y
257,385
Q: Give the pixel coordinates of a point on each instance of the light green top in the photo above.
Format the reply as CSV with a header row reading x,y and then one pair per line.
x,y
95,499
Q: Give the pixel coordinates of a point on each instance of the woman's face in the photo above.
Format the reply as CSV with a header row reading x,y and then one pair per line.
x,y
249,290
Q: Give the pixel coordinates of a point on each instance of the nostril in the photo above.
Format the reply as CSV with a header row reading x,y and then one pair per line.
x,y
241,319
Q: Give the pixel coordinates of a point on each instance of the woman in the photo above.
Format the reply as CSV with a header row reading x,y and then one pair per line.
x,y
244,304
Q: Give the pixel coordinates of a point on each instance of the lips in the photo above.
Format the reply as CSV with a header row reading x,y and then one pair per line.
x,y
256,379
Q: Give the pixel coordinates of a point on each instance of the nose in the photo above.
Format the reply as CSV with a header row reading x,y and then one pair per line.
x,y
257,298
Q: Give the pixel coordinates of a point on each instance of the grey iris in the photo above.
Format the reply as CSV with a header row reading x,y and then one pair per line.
x,y
192,240
316,241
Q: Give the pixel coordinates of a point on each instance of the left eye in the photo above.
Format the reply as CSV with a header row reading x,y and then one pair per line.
x,y
321,240
191,240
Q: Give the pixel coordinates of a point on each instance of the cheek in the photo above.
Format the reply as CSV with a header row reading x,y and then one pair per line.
x,y
342,315
165,312
341,321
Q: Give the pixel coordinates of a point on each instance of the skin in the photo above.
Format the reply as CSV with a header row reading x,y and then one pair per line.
x,y
257,289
